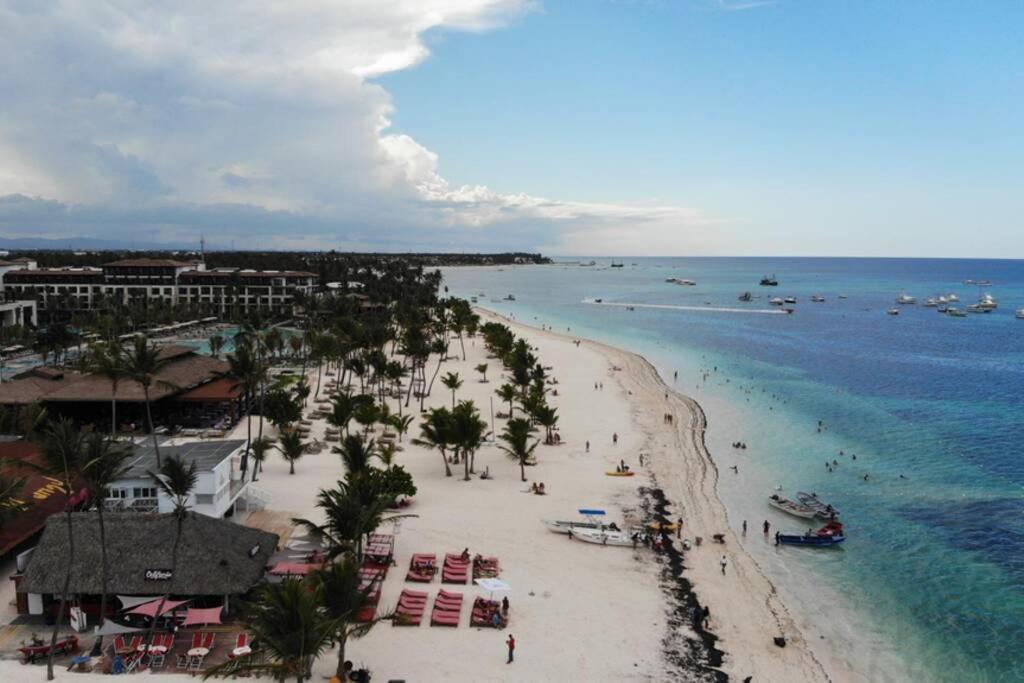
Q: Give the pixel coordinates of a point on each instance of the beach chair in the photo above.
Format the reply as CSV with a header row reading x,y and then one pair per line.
x,y
455,570
447,609
422,568
485,567
120,645
209,637
242,640
411,605
197,640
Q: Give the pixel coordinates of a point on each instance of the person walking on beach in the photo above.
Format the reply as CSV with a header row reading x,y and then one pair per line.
x,y
615,438
767,527
744,527
511,642
723,562
679,528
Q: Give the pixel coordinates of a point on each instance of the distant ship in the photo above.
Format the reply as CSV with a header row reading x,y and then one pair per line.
x,y
617,265
769,281
746,296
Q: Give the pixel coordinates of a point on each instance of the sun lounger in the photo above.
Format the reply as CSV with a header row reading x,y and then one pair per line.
x,y
422,568
485,567
484,611
411,605
447,609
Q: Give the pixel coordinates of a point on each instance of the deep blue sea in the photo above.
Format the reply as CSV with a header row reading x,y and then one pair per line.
x,y
930,584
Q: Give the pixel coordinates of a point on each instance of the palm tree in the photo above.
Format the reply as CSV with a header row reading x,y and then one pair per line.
x,y
176,480
106,463
367,414
355,453
468,433
436,432
452,381
260,447
343,599
108,361
401,424
289,631
350,516
508,393
143,365
482,369
546,417
11,503
292,447
216,343
62,453
387,452
245,369
517,435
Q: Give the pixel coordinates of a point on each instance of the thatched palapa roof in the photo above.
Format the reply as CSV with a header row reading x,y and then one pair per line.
x,y
215,556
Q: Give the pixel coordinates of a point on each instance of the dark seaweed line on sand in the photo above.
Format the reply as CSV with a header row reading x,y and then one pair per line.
x,y
697,657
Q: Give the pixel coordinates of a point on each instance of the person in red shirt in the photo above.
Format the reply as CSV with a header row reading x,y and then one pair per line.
x,y
511,642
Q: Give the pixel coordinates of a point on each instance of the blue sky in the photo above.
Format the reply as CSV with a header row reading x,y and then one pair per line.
x,y
595,126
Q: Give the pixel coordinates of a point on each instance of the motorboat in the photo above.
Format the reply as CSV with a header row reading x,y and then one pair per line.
x,y
790,299
893,311
473,299
976,308
591,520
954,312
818,299
510,297
746,296
776,301
830,534
943,308
617,265
987,302
931,303
680,281
820,507
952,298
769,281
589,263
844,296
603,536
904,299
1020,314
791,507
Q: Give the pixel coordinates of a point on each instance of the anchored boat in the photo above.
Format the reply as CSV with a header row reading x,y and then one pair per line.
x,y
791,507
830,534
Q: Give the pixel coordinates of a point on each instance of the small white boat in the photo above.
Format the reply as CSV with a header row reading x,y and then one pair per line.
x,y
932,303
905,299
954,312
776,301
952,297
818,299
893,311
603,537
844,296
1020,314
811,500
790,299
791,507
976,308
987,302
591,520
680,281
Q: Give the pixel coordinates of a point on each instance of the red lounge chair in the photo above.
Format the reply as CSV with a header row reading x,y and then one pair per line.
x,y
197,640
119,644
444,619
447,609
411,605
486,567
422,568
242,640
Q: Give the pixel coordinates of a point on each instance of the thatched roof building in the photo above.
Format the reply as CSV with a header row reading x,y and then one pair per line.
x,y
215,557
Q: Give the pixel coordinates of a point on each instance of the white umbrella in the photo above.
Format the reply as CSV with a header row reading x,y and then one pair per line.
x,y
493,585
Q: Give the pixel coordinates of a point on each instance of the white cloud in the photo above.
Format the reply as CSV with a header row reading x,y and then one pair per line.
x,y
253,118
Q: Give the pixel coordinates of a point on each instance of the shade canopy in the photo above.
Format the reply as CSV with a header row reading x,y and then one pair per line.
x,y
196,616
129,601
149,609
112,628
493,585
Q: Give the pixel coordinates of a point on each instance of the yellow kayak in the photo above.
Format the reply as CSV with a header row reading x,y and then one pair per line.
x,y
620,474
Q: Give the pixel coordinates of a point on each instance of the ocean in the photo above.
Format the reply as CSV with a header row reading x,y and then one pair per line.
x,y
929,585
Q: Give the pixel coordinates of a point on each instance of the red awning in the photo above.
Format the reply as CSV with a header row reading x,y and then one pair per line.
x,y
197,616
149,609
293,568
217,391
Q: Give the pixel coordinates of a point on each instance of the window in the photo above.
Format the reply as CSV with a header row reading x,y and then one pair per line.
x,y
119,494
144,492
204,499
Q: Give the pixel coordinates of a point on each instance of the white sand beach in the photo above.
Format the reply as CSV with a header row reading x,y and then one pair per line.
x,y
578,611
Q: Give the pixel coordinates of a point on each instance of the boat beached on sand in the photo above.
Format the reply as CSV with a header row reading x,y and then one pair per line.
x,y
603,536
791,507
591,520
828,535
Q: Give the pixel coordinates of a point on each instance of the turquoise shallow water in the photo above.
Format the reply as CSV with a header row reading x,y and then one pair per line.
x,y
930,585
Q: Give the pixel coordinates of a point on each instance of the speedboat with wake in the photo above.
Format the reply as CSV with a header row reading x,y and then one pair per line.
x,y
828,535
791,507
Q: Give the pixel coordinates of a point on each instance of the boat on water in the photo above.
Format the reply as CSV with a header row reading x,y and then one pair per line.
x,y
954,312
589,263
818,299
510,297
893,311
620,264
931,303
790,299
830,534
603,537
952,297
592,519
769,281
976,308
987,302
776,301
746,296
844,296
791,507
1020,314
473,299
680,281
905,299
820,507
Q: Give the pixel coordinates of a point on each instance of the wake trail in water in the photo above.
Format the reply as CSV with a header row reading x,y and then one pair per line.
x,y
675,307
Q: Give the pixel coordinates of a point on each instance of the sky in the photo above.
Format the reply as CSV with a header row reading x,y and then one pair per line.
x,y
588,127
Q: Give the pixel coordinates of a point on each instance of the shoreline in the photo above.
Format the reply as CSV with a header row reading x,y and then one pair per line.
x,y
743,632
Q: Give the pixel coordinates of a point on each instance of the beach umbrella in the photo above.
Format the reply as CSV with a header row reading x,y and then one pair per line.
x,y
493,586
